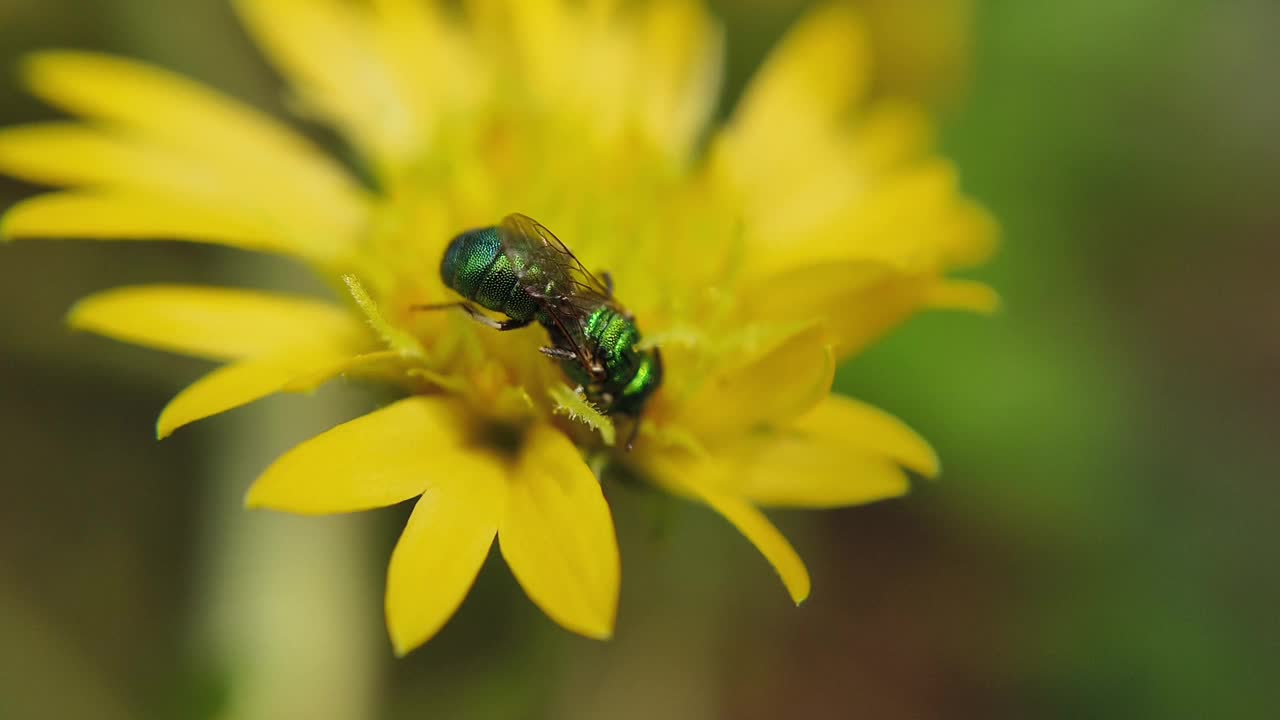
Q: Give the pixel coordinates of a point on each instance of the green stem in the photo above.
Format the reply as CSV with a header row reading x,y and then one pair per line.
x,y
290,610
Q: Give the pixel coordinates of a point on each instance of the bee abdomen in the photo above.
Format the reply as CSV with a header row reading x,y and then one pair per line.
x,y
633,375
642,383
614,336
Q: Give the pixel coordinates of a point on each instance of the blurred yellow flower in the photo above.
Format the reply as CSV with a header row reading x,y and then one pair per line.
x,y
758,254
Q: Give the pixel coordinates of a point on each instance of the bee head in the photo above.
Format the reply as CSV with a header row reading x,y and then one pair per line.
x,y
467,251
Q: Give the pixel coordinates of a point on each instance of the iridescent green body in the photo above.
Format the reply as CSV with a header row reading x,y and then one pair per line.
x,y
630,375
476,267
593,338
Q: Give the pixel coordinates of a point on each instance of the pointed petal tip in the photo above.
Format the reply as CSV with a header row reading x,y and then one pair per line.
x,y
258,498
934,469
754,526
880,436
558,538
600,629
602,633
80,316
74,315
798,587
169,420
402,641
985,301
253,499
924,462
399,646
970,295
443,547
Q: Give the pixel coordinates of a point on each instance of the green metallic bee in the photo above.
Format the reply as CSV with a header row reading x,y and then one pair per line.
x,y
520,269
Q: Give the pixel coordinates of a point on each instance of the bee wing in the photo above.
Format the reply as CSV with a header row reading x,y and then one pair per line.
x,y
522,234
565,290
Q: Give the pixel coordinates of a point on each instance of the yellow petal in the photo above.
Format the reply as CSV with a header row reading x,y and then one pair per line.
x,y
439,554
843,452
103,215
216,323
341,69
704,481
918,220
598,58
906,220
543,61
383,364
800,195
857,425
382,458
963,295
430,65
63,153
243,147
860,197
891,134
969,235
801,471
914,219
804,190
772,386
856,302
816,73
162,104
141,190
683,51
557,535
300,369
789,119
408,35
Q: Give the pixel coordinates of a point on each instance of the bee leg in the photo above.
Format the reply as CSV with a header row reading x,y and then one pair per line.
x,y
510,324
499,325
558,353
474,314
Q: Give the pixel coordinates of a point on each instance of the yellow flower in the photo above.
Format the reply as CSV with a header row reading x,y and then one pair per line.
x,y
757,255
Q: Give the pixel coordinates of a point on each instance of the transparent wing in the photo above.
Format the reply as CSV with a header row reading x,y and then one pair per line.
x,y
524,237
554,277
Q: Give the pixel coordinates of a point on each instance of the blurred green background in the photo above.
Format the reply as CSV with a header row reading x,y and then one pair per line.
x,y
1102,543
